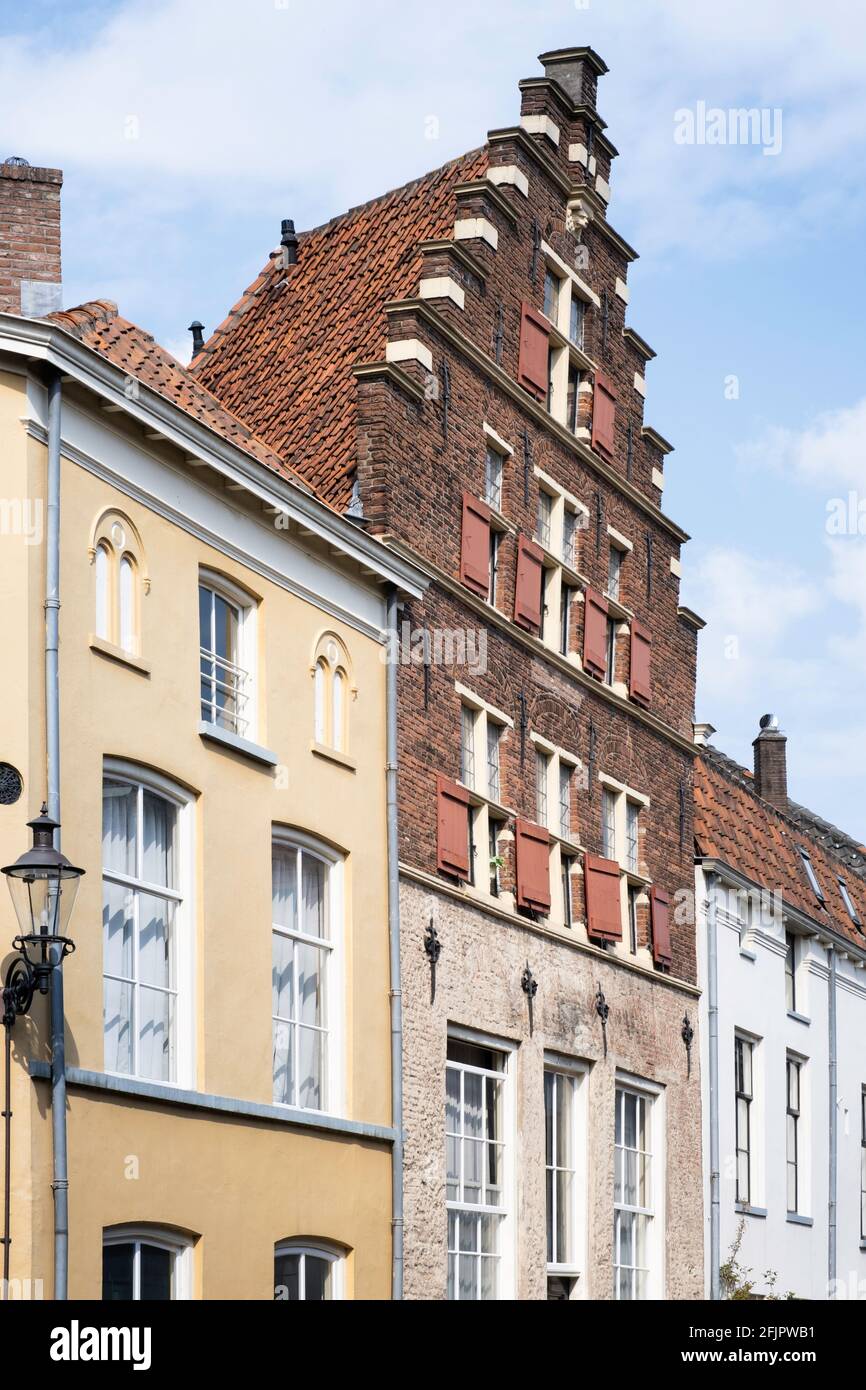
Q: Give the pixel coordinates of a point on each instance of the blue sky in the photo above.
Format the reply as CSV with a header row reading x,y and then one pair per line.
x,y
188,128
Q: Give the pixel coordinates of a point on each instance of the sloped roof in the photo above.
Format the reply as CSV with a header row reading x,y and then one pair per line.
x,y
98,325
734,825
282,359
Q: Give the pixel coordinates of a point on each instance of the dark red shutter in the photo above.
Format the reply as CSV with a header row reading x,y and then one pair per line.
x,y
603,905
595,633
660,918
532,371
527,590
453,833
532,846
475,545
603,414
640,684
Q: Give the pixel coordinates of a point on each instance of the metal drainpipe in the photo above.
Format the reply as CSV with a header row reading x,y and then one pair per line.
x,y
713,1042
834,1128
60,1183
396,995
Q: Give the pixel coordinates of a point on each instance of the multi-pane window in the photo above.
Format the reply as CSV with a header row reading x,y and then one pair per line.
x,y
542,527
467,746
632,918
495,540
610,652
743,1058
608,824
863,1164
792,1137
560,1106
551,295
567,902
330,686
632,811
494,735
475,1162
142,1269
790,972
565,600
493,478
577,319
633,1194
119,574
572,400
494,830
302,946
566,773
305,1274
542,770
141,902
225,683
569,537
614,570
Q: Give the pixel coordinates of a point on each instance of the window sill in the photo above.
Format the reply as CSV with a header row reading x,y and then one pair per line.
x,y
796,1219
799,1018
214,734
743,1209
123,658
331,755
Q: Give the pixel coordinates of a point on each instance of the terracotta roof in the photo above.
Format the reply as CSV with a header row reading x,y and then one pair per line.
x,y
99,326
734,825
282,358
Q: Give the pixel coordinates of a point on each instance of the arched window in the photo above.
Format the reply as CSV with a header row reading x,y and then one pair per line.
x,y
120,578
332,693
305,1272
306,932
144,1264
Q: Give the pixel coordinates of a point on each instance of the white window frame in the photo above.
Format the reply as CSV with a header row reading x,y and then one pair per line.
x,y
578,1074
185,913
247,724
654,1096
494,479
180,1247
508,1232
305,1249
334,1082
618,798
561,853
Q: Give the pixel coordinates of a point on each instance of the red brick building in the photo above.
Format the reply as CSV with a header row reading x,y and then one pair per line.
x,y
451,365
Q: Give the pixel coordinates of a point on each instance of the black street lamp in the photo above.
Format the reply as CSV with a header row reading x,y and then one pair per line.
x,y
43,886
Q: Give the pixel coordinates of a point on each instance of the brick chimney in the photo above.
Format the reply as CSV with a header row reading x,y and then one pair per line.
x,y
29,239
577,71
771,770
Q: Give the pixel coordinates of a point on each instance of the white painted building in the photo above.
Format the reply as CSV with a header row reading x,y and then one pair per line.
x,y
781,915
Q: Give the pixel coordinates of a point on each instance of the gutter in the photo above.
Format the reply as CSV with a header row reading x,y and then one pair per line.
x,y
396,995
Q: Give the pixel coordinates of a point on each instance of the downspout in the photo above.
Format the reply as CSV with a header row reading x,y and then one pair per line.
x,y
60,1183
834,1127
396,996
713,1041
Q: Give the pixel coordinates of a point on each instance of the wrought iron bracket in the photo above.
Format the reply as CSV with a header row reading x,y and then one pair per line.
x,y
529,985
688,1037
432,950
602,1008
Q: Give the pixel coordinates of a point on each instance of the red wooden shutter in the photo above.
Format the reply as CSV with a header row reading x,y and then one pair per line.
x,y
659,913
475,545
640,684
452,847
603,906
532,844
603,414
527,591
595,633
532,371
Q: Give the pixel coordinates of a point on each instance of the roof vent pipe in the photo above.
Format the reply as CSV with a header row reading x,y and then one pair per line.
x,y
289,242
197,331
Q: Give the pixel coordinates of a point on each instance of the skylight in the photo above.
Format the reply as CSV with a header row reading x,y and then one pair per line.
x,y
849,906
810,874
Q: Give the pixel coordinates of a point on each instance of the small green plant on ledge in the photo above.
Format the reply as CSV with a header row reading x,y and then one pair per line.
x,y
738,1284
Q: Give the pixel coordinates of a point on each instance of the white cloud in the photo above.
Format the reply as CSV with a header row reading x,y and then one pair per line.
x,y
830,452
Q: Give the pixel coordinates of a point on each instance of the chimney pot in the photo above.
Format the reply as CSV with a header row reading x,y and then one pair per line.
x,y
289,242
771,770
197,331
